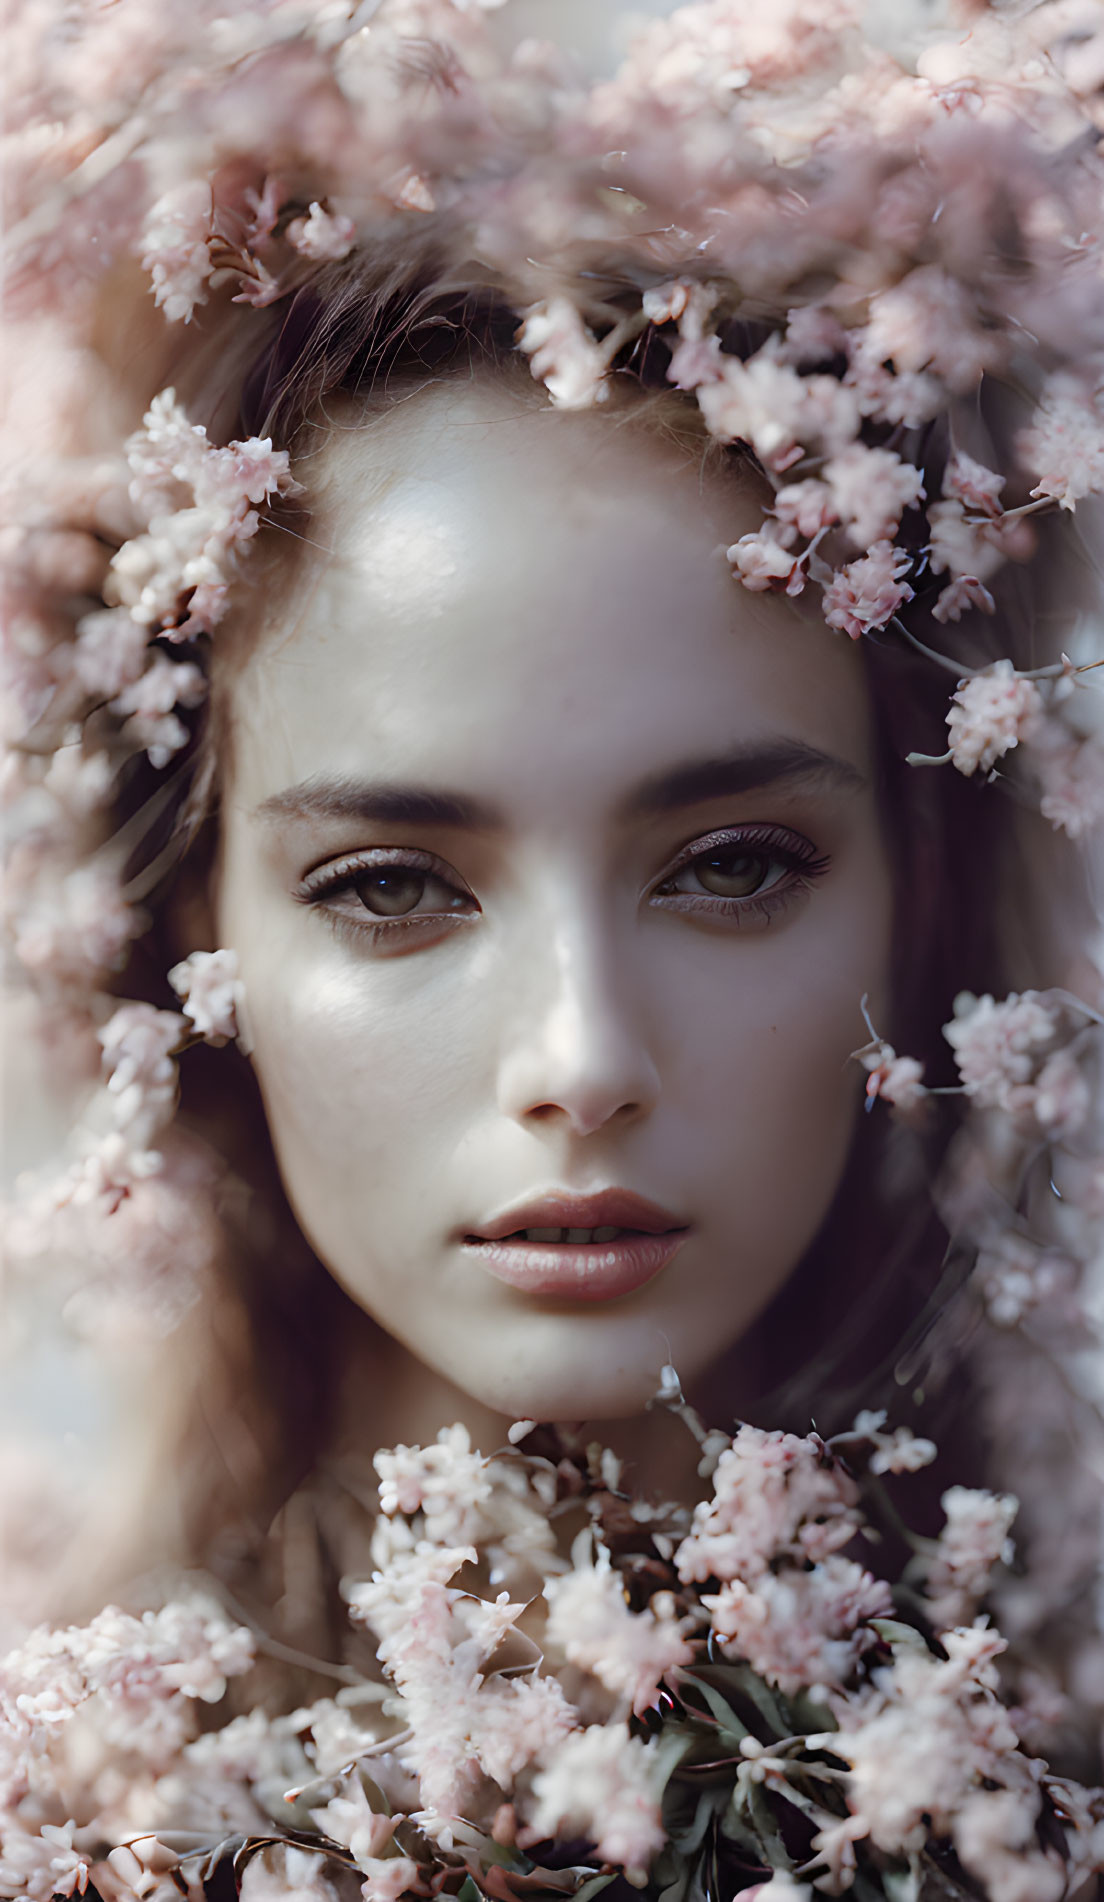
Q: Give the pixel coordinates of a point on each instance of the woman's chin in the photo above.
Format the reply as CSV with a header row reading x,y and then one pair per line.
x,y
562,1394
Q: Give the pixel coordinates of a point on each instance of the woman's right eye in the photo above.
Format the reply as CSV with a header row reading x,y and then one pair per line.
x,y
378,891
401,891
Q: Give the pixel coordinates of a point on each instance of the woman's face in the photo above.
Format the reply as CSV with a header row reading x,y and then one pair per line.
x,y
553,865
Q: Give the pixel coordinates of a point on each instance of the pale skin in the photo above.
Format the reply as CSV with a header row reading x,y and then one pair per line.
x,y
629,952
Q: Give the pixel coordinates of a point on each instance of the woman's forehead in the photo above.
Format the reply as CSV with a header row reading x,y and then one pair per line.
x,y
483,568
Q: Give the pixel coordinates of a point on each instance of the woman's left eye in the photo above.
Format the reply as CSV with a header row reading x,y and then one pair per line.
x,y
763,865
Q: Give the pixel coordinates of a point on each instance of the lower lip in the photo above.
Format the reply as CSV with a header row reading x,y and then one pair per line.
x,y
579,1271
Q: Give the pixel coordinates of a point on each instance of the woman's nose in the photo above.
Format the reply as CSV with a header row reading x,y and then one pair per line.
x,y
576,1050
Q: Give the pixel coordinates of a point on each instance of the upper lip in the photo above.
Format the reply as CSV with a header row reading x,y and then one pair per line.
x,y
609,1208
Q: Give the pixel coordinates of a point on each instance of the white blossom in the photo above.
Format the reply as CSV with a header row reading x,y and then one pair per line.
x,y
998,1046
322,235
211,990
973,1540
629,1652
563,355
603,1784
1064,444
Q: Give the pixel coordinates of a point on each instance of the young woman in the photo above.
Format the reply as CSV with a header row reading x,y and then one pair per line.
x,y
570,902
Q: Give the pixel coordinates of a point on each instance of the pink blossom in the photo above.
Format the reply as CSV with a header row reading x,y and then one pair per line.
x,y
322,234
695,360
890,395
960,545
666,302
835,1846
704,56
870,490
211,989
433,1644
807,505
1071,774
518,1721
284,1873
1064,443
800,1628
412,192
867,593
812,335
629,1652
351,1821
140,1225
897,1080
175,248
132,1678
264,209
79,926
136,1042
774,1495
136,1872
146,707
922,1738
84,782
765,560
1015,1277
602,1784
447,1482
974,1539
108,1169
563,355
990,714
37,1866
1062,1098
929,321
899,1451
110,651
962,594
968,481
998,1046
389,1878
197,498
764,402
995,1838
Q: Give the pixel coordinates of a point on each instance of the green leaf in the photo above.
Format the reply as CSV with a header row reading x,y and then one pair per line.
x,y
769,1706
810,1718
720,1708
469,1891
901,1885
589,1889
894,1632
691,1840
738,1831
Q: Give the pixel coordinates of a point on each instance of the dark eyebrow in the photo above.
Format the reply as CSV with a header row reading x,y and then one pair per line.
x,y
343,798
770,764
746,770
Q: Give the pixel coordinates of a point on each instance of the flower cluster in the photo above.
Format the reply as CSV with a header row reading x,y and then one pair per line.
x,y
836,250
617,1711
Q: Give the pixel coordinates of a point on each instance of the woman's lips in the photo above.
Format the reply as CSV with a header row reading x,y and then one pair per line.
x,y
539,1246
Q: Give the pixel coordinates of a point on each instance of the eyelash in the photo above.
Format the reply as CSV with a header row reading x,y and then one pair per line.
x,y
802,866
